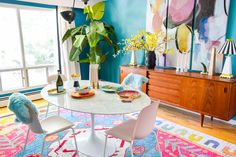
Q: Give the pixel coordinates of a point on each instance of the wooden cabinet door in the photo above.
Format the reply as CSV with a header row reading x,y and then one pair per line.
x,y
207,97
124,71
216,99
193,91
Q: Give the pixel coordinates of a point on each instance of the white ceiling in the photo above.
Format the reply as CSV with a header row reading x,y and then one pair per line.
x,y
64,3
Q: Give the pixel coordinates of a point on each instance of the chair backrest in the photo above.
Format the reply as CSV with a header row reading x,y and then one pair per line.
x,y
35,125
135,81
146,121
52,78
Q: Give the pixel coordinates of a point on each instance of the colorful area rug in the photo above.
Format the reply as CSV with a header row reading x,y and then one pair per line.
x,y
174,140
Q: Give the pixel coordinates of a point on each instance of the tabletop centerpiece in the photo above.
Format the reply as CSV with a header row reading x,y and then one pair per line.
x,y
150,42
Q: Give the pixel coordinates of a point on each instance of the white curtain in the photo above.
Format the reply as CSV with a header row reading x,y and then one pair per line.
x,y
68,67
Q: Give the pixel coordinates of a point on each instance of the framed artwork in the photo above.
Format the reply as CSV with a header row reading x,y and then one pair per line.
x,y
210,26
195,25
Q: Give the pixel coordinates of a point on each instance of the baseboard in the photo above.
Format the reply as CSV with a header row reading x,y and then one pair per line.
x,y
31,96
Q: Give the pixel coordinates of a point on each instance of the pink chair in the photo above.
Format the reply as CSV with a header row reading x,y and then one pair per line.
x,y
134,129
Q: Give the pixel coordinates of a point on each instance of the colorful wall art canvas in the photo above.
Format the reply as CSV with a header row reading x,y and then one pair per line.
x,y
209,31
196,27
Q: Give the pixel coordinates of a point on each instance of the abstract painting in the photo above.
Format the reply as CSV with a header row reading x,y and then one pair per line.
x,y
209,31
195,25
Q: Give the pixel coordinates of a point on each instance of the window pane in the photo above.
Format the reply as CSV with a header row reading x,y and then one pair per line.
x,y
37,77
40,36
10,50
11,80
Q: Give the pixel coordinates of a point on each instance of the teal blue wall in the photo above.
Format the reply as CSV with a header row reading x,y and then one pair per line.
x,y
128,17
231,30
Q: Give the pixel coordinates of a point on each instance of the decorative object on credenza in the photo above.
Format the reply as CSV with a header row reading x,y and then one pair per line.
x,y
132,45
204,69
212,62
90,34
133,60
228,49
150,60
183,44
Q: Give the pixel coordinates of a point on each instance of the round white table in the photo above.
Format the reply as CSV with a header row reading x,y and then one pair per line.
x,y
102,103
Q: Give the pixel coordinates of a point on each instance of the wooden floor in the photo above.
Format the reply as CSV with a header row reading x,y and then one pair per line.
x,y
214,128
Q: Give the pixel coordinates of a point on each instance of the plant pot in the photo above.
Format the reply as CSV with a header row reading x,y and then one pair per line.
x,y
150,60
93,75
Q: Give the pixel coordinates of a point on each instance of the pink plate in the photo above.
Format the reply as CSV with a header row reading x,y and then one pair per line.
x,y
129,94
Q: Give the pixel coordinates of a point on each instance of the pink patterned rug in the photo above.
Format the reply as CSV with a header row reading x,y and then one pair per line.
x,y
171,144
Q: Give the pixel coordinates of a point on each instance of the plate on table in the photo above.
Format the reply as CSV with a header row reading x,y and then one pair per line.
x,y
54,92
111,89
128,95
79,95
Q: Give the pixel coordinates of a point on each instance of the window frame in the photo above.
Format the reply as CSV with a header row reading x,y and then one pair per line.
x,y
24,69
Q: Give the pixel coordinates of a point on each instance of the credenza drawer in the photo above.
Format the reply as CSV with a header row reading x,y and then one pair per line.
x,y
165,84
165,78
164,97
164,90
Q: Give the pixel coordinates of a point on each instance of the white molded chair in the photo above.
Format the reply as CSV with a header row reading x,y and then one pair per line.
x,y
133,129
47,127
51,79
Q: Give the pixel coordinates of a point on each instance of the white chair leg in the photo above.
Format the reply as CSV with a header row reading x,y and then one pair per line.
x,y
47,111
26,140
104,152
43,145
58,139
58,111
73,131
131,148
158,145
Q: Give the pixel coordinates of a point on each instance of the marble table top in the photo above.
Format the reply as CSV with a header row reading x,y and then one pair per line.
x,y
101,103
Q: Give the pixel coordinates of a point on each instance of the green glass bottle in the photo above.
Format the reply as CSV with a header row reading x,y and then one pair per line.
x,y
59,83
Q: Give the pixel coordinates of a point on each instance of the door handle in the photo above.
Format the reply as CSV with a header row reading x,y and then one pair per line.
x,y
225,90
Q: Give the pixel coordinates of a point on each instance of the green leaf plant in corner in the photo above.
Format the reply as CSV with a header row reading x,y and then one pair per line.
x,y
92,35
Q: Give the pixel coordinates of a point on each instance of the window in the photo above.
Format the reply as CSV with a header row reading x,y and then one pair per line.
x,y
28,49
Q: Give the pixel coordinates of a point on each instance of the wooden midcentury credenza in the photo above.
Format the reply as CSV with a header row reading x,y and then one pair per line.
x,y
207,95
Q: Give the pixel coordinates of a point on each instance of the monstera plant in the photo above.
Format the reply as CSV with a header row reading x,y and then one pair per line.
x,y
95,34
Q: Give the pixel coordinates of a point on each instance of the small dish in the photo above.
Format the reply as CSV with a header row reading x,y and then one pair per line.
x,y
77,95
128,95
111,89
54,91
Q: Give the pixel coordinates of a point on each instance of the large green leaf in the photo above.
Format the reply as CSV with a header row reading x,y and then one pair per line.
x,y
70,33
89,11
99,27
74,54
110,30
98,10
67,35
80,42
93,36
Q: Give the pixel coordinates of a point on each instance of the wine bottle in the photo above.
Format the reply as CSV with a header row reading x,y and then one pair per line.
x,y
59,83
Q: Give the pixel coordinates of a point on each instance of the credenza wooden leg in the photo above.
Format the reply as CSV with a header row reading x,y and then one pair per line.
x,y
202,119
212,118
